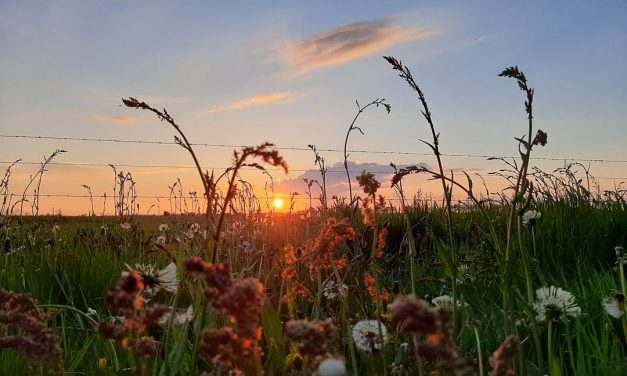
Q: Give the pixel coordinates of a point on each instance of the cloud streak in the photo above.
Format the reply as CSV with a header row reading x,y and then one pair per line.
x,y
119,119
345,43
255,101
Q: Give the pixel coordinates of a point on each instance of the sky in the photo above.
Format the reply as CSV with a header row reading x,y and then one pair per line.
x,y
290,73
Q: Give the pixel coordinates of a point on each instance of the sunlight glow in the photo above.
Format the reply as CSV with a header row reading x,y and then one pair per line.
x,y
278,203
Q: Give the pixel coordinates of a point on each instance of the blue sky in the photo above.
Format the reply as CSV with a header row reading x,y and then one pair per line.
x,y
290,72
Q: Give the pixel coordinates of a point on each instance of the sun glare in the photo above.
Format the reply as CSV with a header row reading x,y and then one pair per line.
x,y
278,203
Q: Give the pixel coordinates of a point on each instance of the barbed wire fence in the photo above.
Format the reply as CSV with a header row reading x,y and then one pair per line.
x,y
312,169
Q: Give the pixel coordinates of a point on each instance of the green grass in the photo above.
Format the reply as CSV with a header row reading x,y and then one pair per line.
x,y
574,250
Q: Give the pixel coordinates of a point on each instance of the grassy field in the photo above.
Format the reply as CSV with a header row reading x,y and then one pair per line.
x,y
531,284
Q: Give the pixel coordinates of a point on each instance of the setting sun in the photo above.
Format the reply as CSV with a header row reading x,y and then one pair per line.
x,y
278,203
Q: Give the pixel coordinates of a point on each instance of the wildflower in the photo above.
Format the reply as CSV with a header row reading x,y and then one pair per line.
x,y
502,361
194,227
125,226
447,302
155,280
530,218
381,242
554,304
163,227
161,240
125,298
614,305
540,138
298,290
323,255
102,363
332,290
240,300
367,337
55,228
376,296
19,313
245,246
181,316
332,367
418,317
314,339
91,312
368,182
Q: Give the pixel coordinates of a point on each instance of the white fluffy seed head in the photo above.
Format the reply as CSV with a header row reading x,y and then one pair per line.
x,y
332,367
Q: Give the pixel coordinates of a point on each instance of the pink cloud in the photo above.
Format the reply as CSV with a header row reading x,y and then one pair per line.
x,y
345,43
255,101
119,119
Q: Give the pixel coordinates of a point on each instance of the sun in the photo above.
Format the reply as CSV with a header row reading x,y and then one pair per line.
x,y
278,203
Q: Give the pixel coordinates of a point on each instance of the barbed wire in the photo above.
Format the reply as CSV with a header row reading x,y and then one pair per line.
x,y
390,171
295,148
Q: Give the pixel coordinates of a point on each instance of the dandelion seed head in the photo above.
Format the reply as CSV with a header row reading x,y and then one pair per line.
x,y
553,304
332,367
446,301
332,290
366,335
530,218
614,305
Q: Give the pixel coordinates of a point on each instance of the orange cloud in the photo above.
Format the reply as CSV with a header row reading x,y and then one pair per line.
x,y
119,119
346,43
257,100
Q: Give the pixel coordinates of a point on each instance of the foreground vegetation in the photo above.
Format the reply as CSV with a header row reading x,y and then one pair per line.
x,y
531,283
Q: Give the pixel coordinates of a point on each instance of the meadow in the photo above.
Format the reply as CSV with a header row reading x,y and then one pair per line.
x,y
531,283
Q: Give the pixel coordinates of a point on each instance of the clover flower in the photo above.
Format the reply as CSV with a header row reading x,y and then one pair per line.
x,y
554,304
163,227
530,218
366,335
125,226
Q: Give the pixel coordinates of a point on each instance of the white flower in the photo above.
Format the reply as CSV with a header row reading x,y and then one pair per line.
x,y
156,280
55,228
245,246
366,335
195,227
91,312
614,305
332,367
554,304
163,227
530,217
125,225
332,290
181,316
161,240
447,302
114,319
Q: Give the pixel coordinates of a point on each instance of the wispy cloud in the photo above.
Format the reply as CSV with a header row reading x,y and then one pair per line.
x,y
257,100
119,119
346,43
